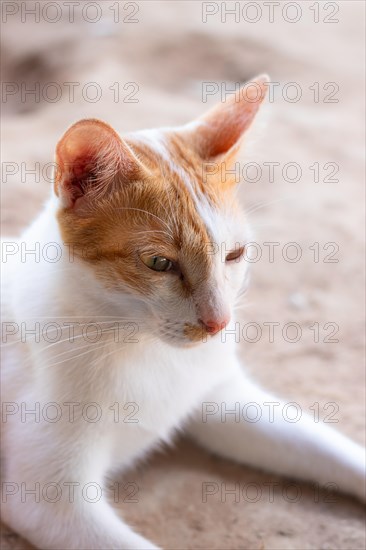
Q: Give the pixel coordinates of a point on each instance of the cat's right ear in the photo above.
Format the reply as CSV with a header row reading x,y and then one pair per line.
x,y
91,159
219,133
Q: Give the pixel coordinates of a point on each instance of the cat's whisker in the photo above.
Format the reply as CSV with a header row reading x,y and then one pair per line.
x,y
71,351
151,231
173,216
244,305
75,357
44,348
170,216
73,337
259,206
104,356
149,214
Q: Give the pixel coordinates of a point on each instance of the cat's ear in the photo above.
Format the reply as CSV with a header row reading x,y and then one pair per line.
x,y
221,129
90,158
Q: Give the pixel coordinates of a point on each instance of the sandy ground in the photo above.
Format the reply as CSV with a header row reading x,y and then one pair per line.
x,y
167,55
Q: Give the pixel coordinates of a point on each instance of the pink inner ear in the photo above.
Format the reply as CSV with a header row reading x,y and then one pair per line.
x,y
224,126
227,126
78,169
89,155
226,133
79,174
82,167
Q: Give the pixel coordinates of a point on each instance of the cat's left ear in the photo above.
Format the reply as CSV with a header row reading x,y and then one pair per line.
x,y
219,132
91,158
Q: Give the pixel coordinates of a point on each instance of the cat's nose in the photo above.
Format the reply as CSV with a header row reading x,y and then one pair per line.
x,y
214,326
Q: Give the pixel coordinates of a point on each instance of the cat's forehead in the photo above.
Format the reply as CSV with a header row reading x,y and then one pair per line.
x,y
167,154
178,183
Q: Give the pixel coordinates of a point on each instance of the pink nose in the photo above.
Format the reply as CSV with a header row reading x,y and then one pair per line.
x,y
213,327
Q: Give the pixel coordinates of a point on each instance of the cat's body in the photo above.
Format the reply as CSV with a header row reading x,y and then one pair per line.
x,y
159,364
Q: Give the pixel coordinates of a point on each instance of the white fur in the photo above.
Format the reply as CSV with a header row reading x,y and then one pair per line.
x,y
168,383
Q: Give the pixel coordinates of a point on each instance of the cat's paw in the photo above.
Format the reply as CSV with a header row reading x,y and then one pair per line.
x,y
137,542
145,545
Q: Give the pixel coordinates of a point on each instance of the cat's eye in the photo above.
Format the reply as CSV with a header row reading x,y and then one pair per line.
x,y
235,254
157,263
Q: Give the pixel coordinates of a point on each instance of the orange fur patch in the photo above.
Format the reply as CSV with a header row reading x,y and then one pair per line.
x,y
155,215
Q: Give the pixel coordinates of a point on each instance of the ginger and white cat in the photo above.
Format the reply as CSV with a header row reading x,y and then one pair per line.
x,y
138,228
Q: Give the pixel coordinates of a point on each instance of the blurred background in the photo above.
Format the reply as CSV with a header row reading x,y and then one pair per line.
x,y
154,63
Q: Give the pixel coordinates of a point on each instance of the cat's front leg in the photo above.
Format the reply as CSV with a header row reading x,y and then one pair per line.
x,y
75,528
242,422
54,495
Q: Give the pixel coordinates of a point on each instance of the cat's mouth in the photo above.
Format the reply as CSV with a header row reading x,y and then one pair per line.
x,y
195,333
183,334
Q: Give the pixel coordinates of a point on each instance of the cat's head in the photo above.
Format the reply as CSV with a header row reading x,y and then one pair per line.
x,y
155,215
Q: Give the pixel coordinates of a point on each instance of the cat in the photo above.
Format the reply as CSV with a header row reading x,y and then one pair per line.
x,y
142,244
